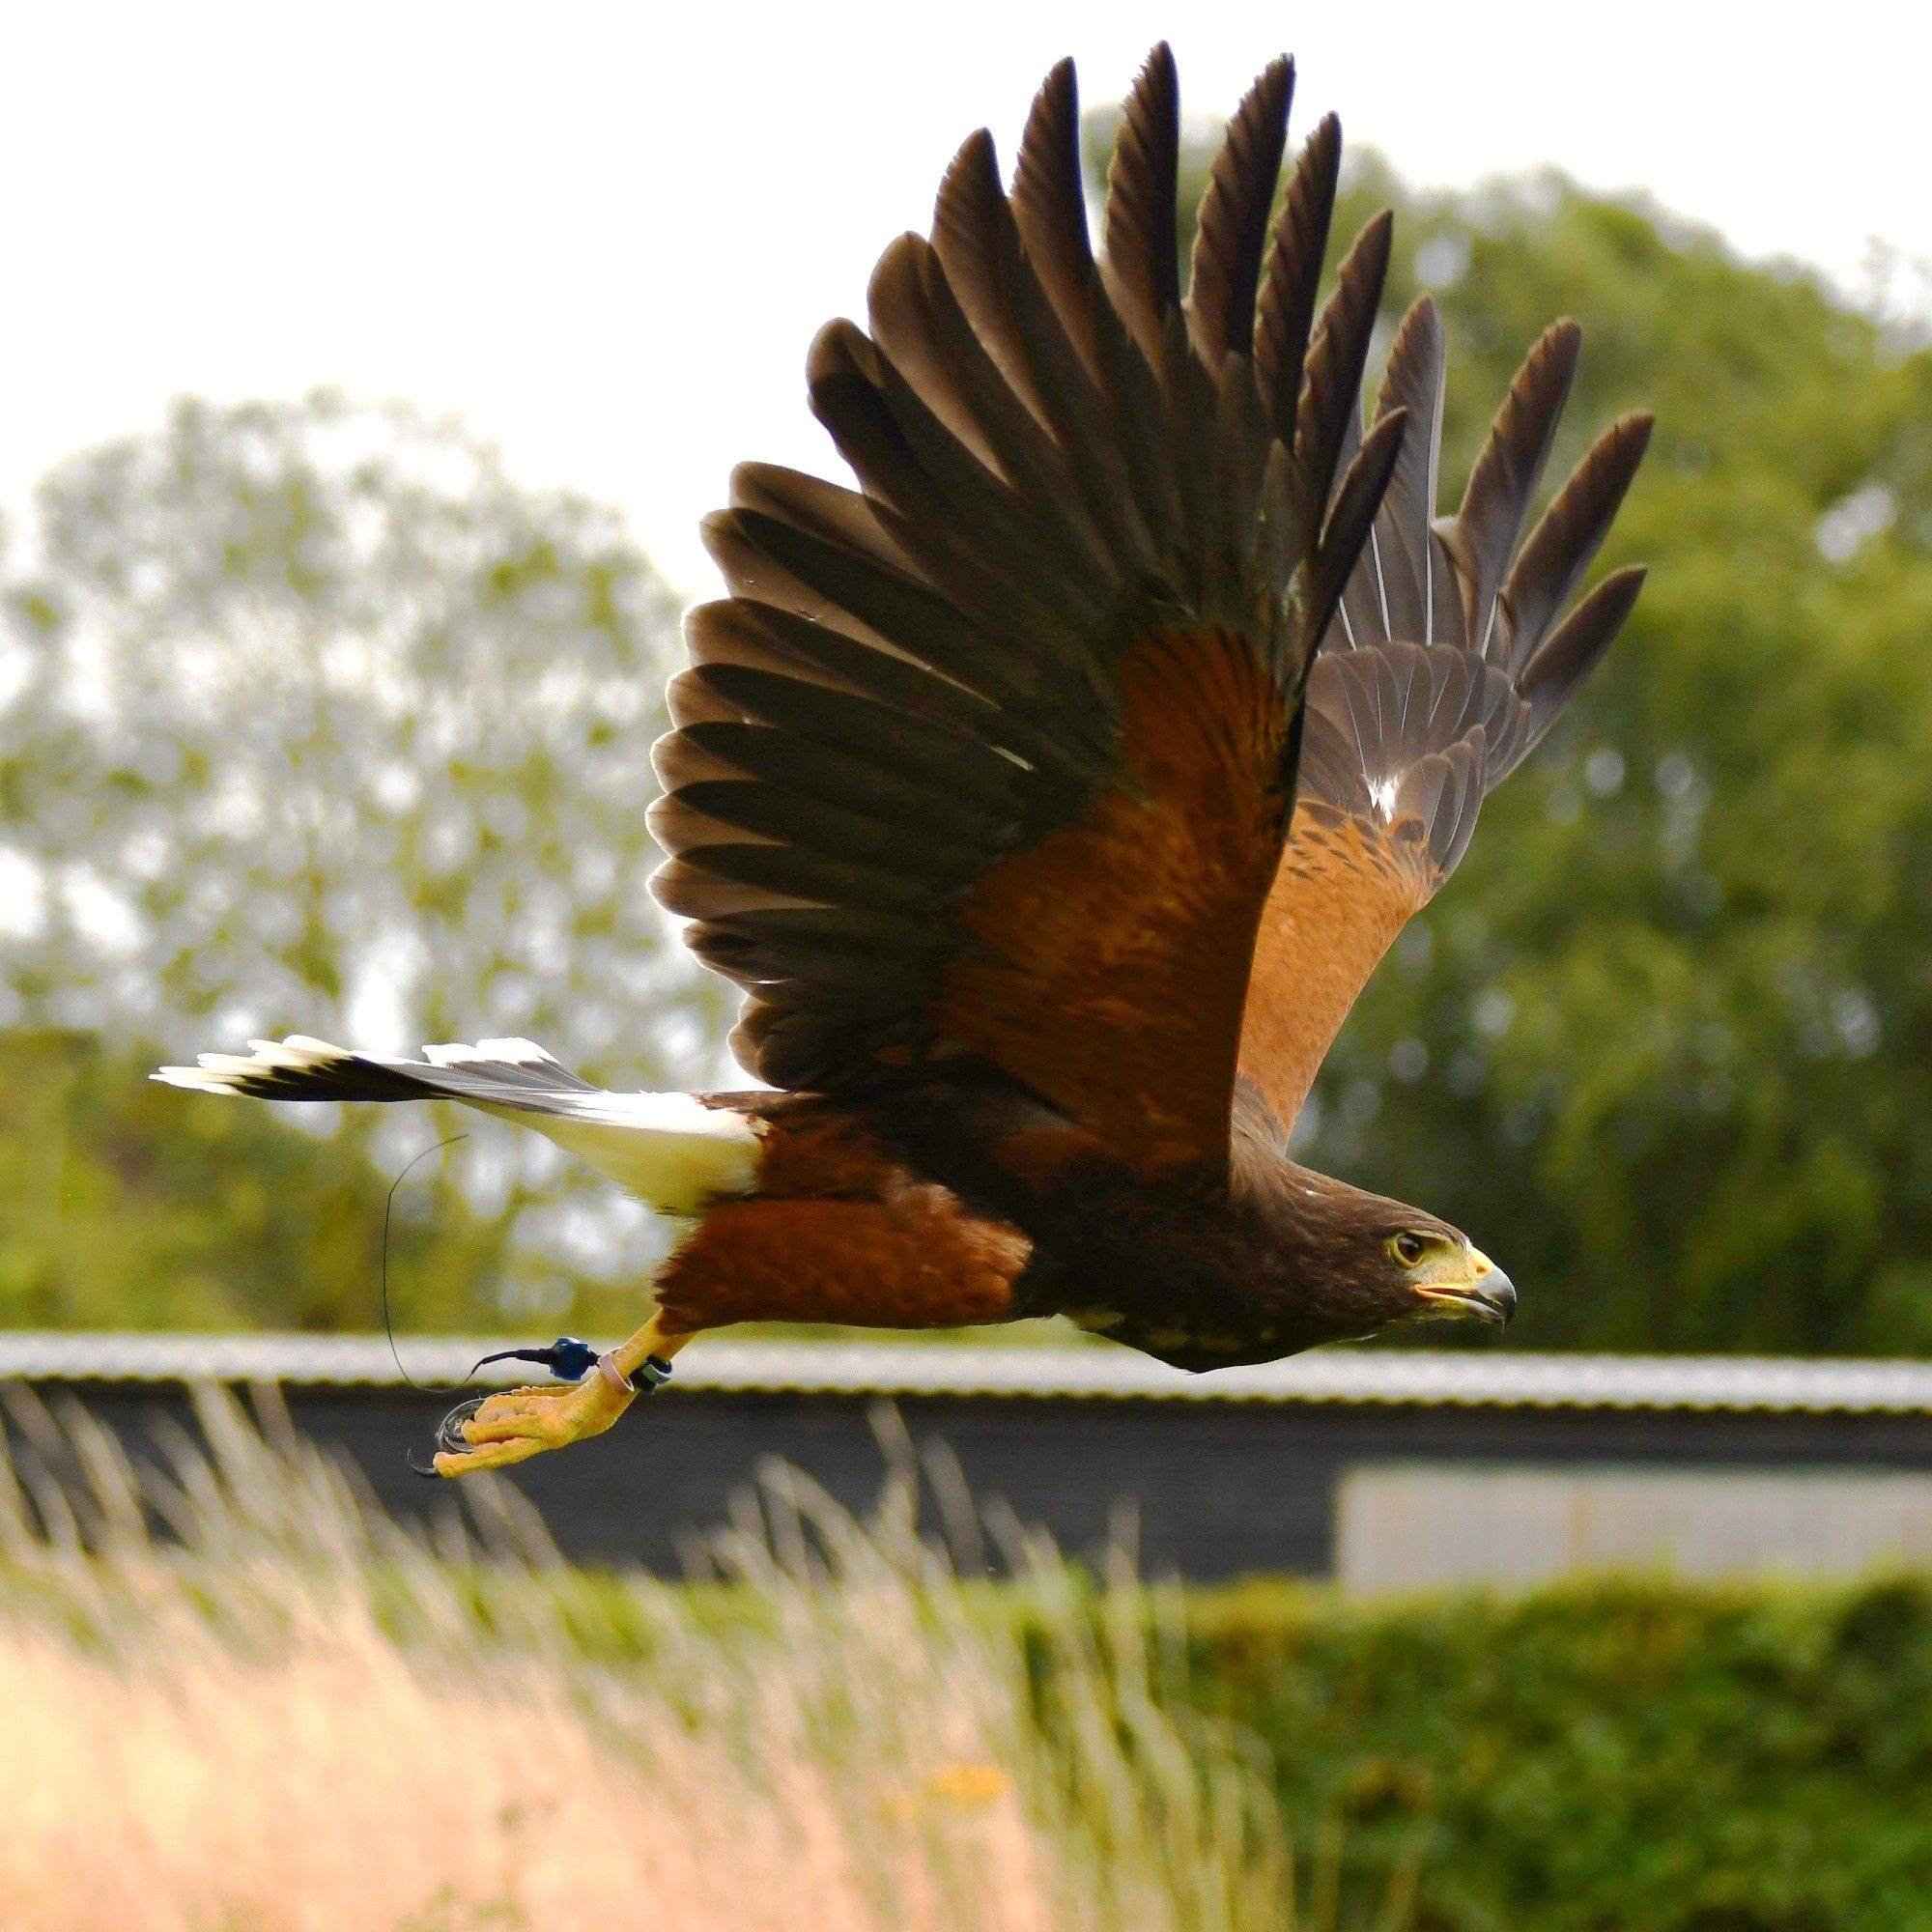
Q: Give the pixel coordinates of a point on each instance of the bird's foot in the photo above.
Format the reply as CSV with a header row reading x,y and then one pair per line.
x,y
492,1431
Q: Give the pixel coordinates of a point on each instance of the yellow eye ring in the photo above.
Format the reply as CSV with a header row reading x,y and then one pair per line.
x,y
1410,1249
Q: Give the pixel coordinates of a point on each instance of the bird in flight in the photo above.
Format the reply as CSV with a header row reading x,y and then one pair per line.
x,y
1052,796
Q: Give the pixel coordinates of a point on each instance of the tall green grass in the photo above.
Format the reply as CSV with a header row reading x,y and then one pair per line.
x,y
235,1696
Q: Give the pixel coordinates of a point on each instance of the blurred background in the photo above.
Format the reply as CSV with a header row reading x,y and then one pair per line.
x,y
368,377
366,372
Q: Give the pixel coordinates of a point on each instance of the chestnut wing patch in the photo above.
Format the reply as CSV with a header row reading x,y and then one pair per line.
x,y
1109,961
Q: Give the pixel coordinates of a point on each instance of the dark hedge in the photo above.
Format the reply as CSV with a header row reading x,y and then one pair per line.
x,y
1628,1756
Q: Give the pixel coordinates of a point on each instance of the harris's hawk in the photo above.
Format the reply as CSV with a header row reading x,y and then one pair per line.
x,y
1052,796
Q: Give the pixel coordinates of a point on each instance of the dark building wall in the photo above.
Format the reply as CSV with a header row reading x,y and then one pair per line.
x,y
1213,1489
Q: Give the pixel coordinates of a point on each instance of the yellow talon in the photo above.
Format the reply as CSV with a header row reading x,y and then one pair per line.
x,y
500,1430
520,1423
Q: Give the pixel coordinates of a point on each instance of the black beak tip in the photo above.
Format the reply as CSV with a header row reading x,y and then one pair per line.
x,y
1500,1292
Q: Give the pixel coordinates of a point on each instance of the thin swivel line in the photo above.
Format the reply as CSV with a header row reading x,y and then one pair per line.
x,y
388,1326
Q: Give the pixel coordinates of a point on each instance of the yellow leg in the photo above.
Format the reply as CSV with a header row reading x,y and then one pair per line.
x,y
524,1422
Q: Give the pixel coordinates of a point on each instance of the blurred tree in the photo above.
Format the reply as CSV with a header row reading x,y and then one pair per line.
x,y
1665,1043
125,1209
322,725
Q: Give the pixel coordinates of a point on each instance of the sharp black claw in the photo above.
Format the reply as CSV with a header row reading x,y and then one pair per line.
x,y
421,1469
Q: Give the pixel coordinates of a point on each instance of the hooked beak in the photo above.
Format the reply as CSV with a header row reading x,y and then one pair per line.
x,y
1483,1290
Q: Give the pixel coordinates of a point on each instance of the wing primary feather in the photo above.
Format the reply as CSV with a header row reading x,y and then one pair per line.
x,y
1381,583
1189,395
977,245
901,314
1505,476
742,631
967,238
1413,380
1142,267
829,510
1240,456
917,622
1574,648
1049,203
860,780
1331,393
970,768
1287,310
1571,533
1224,275
892,606
900,450
1135,420
1352,519
1020,447
950,507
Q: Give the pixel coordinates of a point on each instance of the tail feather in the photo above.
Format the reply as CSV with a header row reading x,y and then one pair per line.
x,y
676,1151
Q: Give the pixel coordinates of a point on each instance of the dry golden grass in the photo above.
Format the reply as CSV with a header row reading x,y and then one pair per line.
x,y
298,1716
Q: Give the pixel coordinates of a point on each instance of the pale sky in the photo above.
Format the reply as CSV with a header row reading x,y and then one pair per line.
x,y
604,233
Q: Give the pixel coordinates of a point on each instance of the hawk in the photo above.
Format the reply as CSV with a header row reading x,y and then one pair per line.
x,y
1052,795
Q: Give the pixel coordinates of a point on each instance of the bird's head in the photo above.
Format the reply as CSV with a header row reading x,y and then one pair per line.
x,y
1360,1263
1433,1272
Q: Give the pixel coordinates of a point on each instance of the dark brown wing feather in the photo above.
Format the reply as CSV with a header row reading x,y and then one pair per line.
x,y
995,757
1287,312
1444,665
1142,271
1231,238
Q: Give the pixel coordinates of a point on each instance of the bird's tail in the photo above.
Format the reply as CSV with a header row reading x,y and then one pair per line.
x,y
678,1151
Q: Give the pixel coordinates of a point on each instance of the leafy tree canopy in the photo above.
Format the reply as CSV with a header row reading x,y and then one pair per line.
x,y
321,725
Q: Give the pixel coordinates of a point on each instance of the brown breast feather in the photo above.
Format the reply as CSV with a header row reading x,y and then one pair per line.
x,y
841,1230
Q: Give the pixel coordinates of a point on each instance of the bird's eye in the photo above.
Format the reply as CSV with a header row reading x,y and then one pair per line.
x,y
1410,1249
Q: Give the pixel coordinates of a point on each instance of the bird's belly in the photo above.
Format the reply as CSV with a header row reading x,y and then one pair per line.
x,y
917,1260
1185,1292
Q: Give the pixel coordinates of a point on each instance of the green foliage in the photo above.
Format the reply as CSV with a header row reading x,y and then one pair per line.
x,y
1586,1758
1604,1756
1674,1020
126,1210
321,725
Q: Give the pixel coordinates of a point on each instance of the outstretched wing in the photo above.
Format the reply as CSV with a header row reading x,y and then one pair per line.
x,y
1444,665
995,757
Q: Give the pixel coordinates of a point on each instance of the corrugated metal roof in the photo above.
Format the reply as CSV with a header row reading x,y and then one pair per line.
x,y
1486,1379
